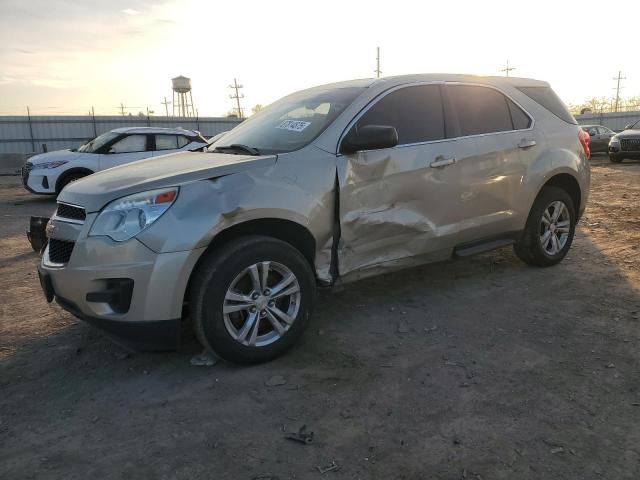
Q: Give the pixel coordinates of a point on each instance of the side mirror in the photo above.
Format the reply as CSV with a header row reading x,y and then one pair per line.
x,y
369,137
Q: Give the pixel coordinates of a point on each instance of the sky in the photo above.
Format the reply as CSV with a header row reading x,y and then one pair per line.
x,y
64,56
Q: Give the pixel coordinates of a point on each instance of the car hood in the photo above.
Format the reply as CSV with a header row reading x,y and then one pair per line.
x,y
54,156
628,134
95,191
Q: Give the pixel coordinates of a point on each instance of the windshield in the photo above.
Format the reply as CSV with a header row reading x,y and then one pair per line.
x,y
290,123
93,145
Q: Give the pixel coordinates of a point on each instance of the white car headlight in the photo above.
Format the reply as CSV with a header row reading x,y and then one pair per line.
x,y
614,141
56,164
126,217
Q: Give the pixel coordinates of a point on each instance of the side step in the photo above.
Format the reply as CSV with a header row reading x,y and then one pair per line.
x,y
469,249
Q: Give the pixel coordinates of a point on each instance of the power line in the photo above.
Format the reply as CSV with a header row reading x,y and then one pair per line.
x,y
237,96
507,69
617,89
377,70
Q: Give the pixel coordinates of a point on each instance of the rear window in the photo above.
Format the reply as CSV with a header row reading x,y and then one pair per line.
x,y
480,109
549,100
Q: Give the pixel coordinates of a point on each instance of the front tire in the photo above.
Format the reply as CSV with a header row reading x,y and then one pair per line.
x,y
252,299
67,179
615,158
550,229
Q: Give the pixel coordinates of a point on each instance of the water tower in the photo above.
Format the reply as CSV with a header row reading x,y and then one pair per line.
x,y
182,98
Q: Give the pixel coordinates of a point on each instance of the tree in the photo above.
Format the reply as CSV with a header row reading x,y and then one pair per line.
x,y
256,108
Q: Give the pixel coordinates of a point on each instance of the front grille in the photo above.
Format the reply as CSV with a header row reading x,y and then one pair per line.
x,y
60,250
26,170
630,144
70,211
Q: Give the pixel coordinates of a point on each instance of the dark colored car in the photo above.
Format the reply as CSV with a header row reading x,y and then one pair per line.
x,y
625,144
599,137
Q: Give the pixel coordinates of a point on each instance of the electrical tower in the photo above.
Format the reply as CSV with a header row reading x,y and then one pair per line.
x,y
507,69
121,109
377,70
237,96
617,89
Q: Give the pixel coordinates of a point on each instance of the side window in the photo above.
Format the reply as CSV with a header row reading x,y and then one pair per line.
x,y
415,112
521,121
182,141
480,109
130,144
166,142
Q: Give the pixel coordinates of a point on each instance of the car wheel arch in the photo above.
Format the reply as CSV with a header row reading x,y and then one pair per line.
x,y
72,171
288,231
568,183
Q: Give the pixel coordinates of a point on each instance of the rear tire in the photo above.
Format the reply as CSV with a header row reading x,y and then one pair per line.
x,y
550,228
67,179
615,158
243,314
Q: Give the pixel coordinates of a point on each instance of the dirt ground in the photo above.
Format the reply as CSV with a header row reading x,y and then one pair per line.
x,y
481,368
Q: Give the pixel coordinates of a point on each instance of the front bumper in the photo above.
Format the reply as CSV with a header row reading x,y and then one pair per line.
x,y
149,319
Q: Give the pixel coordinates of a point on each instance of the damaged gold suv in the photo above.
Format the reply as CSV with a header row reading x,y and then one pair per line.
x,y
324,186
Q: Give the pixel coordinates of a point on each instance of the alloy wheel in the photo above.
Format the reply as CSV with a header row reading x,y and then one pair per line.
x,y
261,304
555,225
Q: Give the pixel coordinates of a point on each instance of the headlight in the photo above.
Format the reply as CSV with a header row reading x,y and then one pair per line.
x,y
126,217
38,166
614,141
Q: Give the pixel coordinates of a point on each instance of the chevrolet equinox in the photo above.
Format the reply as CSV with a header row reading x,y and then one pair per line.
x,y
324,186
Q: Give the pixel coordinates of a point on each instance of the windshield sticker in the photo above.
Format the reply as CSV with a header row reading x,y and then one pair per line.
x,y
293,125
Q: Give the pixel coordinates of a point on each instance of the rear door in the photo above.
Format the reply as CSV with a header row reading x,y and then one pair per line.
x,y
392,202
127,149
501,141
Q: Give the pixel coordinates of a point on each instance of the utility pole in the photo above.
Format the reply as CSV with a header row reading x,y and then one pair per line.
x,y
237,96
507,69
166,105
121,109
377,70
93,117
617,89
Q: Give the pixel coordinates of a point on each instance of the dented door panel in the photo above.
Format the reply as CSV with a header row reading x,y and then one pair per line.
x,y
392,205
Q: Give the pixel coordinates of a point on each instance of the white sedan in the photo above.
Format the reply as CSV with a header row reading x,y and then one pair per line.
x,y
48,173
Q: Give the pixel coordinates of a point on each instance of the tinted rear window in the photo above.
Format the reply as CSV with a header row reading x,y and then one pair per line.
x,y
480,109
549,100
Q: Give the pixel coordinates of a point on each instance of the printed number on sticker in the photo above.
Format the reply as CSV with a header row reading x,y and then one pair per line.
x,y
293,125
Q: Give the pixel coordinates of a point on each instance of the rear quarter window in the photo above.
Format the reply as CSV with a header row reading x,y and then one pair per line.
x,y
546,97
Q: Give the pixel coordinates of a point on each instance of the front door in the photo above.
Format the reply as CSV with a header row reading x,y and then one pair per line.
x,y
128,149
392,201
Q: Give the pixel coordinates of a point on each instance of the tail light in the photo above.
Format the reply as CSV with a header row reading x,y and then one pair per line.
x,y
584,140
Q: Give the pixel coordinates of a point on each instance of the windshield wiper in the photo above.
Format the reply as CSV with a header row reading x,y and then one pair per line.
x,y
238,146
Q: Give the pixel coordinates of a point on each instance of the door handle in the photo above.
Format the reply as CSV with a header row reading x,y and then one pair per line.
x,y
442,162
524,143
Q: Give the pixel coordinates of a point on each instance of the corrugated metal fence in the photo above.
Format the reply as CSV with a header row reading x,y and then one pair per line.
x,y
616,121
24,134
